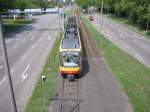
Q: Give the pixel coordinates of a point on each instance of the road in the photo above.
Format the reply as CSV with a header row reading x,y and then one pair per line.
x,y
27,49
128,40
98,90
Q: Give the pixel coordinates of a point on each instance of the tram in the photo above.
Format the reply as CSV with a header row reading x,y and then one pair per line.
x,y
70,51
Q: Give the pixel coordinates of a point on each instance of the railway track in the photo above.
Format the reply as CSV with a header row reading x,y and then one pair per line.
x,y
70,89
70,96
96,90
89,43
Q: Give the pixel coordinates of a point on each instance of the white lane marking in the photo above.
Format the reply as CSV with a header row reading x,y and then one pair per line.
x,y
17,35
33,46
1,67
121,37
1,57
39,39
24,74
3,80
22,58
49,38
138,55
14,47
24,77
31,38
127,46
12,70
17,39
8,40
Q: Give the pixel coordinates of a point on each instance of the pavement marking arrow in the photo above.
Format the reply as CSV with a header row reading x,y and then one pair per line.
x,y
24,74
24,77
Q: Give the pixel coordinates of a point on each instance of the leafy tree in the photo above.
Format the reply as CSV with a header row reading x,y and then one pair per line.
x,y
137,11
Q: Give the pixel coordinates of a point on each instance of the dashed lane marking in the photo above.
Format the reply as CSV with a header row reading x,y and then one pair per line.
x,y
33,46
138,56
22,58
1,57
3,80
8,40
15,46
17,39
49,38
127,46
39,39
12,70
1,67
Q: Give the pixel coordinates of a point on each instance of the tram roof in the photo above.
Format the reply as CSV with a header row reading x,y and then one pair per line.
x,y
71,35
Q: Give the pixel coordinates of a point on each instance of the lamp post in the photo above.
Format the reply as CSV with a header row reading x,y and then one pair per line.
x,y
101,24
59,19
7,67
43,89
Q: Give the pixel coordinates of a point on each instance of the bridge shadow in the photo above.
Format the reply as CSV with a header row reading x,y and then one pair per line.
x,y
10,31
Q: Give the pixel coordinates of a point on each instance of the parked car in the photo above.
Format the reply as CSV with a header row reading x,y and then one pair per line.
x,y
91,18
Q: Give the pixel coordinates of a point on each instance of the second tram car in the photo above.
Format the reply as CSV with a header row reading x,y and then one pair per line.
x,y
71,50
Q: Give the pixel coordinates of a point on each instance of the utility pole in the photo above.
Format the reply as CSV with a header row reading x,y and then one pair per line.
x,y
101,25
59,19
7,67
88,9
148,20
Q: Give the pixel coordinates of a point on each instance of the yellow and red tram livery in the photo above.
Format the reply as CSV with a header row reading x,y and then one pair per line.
x,y
71,50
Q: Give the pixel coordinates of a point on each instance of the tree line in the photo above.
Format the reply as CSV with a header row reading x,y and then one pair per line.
x,y
22,4
137,11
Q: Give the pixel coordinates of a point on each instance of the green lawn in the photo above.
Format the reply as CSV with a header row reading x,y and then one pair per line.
x,y
130,25
10,25
133,77
50,70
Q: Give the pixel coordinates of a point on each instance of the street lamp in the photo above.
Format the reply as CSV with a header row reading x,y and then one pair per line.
x,y
43,89
59,18
101,24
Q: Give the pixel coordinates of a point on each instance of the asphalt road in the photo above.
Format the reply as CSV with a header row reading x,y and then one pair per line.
x,y
27,49
128,40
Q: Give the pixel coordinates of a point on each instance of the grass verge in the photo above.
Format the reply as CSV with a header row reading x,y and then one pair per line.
x,y
50,70
10,25
133,77
130,25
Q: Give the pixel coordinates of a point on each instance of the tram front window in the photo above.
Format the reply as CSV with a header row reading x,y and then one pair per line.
x,y
70,59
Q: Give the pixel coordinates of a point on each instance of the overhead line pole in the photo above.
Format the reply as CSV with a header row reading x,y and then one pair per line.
x,y
7,67
59,19
101,25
